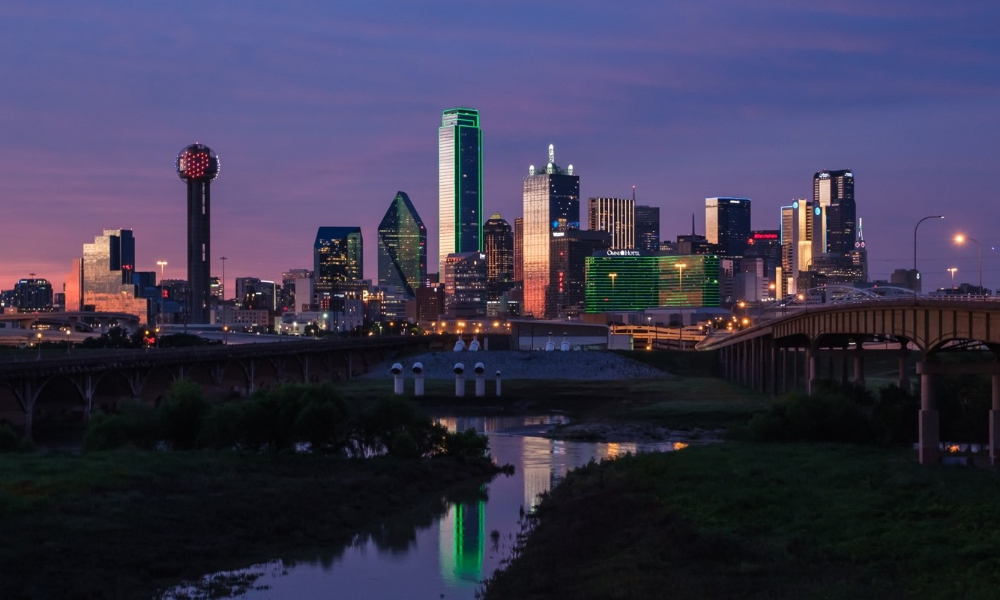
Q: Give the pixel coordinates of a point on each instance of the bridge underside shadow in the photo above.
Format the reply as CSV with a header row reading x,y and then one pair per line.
x,y
790,354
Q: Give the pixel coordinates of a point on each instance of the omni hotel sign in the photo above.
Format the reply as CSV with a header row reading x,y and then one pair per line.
x,y
618,252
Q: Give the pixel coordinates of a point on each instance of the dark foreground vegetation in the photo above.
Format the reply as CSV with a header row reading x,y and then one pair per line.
x,y
167,494
741,520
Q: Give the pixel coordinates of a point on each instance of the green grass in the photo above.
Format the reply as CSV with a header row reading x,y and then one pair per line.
x,y
125,524
763,521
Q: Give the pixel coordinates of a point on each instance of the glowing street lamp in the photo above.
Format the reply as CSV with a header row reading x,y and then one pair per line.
x,y
960,239
613,276
952,271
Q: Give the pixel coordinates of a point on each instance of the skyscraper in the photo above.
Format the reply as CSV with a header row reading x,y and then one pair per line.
x,y
32,295
460,183
615,216
198,166
551,205
796,243
727,224
834,190
337,259
498,245
402,255
464,281
107,267
647,228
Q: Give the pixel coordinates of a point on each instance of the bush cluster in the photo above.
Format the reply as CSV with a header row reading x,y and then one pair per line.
x,y
288,418
838,413
11,442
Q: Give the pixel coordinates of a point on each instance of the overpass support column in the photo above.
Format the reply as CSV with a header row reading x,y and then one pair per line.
x,y
26,395
859,365
812,370
995,422
929,452
772,369
904,368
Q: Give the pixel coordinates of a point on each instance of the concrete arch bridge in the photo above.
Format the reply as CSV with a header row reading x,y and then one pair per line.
x,y
786,352
74,386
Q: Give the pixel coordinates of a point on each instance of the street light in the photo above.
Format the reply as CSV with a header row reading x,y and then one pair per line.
x,y
915,274
952,271
161,264
613,276
225,330
68,333
38,336
960,239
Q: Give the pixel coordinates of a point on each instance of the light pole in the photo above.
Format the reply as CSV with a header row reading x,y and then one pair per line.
x,y
68,333
38,337
952,271
915,275
161,264
613,276
960,239
225,330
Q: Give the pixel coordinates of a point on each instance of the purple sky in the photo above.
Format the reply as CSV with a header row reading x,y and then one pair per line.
x,y
321,114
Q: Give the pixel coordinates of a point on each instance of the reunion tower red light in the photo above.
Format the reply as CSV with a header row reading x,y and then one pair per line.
x,y
198,166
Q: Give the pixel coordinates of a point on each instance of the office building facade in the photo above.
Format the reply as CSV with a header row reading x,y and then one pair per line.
x,y
460,183
615,216
338,260
551,204
107,268
32,295
498,245
833,191
465,285
566,297
727,224
647,228
402,255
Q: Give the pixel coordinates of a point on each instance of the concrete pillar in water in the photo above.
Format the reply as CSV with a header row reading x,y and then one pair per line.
x,y
928,452
498,383
480,371
459,380
397,376
418,379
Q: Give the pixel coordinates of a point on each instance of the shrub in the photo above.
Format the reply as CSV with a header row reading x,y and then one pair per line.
x,y
11,442
823,417
324,425
133,426
466,444
220,429
180,418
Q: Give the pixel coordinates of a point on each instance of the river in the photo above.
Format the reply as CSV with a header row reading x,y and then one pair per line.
x,y
442,556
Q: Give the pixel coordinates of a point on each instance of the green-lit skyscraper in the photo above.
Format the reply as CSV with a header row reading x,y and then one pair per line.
x,y
402,255
460,183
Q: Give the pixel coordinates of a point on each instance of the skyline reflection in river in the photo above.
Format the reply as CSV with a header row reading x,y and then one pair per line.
x,y
448,554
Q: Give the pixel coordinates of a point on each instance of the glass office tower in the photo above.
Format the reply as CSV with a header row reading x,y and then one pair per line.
x,y
727,224
402,255
108,265
498,245
551,204
460,183
337,258
647,228
834,192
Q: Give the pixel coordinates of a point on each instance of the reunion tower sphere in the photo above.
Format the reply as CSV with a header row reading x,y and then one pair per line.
x,y
197,162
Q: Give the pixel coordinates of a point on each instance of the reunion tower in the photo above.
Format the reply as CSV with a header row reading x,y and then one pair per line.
x,y
198,166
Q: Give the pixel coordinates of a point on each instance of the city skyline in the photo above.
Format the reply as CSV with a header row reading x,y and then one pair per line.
x,y
313,136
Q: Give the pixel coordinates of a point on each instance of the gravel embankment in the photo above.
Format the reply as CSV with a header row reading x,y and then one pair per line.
x,y
519,364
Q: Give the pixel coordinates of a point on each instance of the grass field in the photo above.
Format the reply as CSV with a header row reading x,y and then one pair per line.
x,y
763,521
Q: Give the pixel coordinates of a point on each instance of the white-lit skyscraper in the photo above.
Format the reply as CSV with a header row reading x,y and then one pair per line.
x,y
615,216
460,183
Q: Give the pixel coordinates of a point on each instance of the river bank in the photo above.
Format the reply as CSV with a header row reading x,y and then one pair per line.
x,y
126,524
762,521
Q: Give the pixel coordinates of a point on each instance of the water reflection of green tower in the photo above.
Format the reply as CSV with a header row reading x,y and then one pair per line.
x,y
463,541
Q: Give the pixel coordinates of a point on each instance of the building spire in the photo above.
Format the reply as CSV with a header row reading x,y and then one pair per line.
x,y
692,226
633,194
552,154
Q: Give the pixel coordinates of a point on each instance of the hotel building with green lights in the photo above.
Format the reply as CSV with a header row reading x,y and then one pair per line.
x,y
624,280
